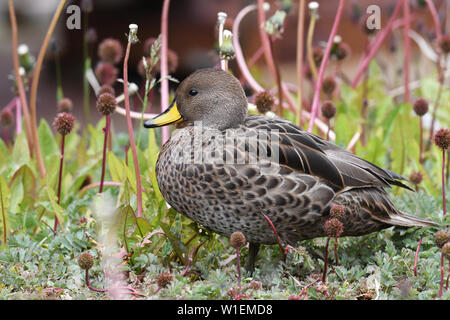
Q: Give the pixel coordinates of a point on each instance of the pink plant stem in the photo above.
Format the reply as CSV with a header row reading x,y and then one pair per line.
x,y
443,182
88,284
300,36
164,66
441,285
416,257
265,41
276,235
130,132
238,265
320,76
421,141
106,131
55,227
18,116
406,48
324,276
238,51
376,46
335,250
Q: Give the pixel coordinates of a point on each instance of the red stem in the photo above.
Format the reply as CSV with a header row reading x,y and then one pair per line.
x,y
105,142
416,256
90,286
407,48
320,76
378,42
238,265
324,276
164,65
60,178
443,182
130,132
265,38
276,235
335,250
441,285
421,142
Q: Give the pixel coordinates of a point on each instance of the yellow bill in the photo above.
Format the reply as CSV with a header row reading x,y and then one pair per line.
x,y
171,115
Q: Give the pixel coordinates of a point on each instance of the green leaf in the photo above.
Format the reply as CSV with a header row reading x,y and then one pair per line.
x,y
47,142
5,195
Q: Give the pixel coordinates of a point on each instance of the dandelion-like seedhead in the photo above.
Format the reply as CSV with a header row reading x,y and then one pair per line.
x,y
106,103
264,101
132,36
164,279
85,260
227,48
65,105
328,109
237,239
274,25
64,123
442,139
420,107
333,227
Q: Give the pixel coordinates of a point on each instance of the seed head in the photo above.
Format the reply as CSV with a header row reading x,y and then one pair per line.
x,y
255,285
442,139
164,279
227,49
420,107
65,105
333,227
328,109
85,261
317,55
106,73
328,85
264,101
446,250
110,50
342,51
442,237
106,104
64,123
237,239
6,117
444,43
106,89
337,212
416,177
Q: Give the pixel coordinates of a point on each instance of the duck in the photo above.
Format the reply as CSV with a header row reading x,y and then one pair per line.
x,y
230,171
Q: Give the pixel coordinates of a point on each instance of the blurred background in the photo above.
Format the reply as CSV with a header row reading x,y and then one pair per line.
x,y
192,35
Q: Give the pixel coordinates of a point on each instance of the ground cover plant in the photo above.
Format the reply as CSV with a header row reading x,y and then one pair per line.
x,y
81,215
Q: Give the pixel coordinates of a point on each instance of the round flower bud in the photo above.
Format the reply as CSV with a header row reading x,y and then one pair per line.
x,y
442,139
342,51
164,279
237,239
420,106
65,105
328,109
337,212
106,73
444,43
106,89
317,55
264,101
328,85
446,250
6,117
85,261
106,104
110,50
333,227
64,123
416,177
255,285
441,238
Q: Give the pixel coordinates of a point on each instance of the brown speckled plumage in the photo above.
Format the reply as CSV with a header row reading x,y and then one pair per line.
x,y
296,193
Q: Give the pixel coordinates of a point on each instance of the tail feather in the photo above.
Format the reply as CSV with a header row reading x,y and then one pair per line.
x,y
405,220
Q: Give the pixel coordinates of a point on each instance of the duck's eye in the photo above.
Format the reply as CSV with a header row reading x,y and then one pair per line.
x,y
193,92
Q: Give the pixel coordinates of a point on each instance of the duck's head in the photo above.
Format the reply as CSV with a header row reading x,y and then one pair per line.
x,y
212,96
